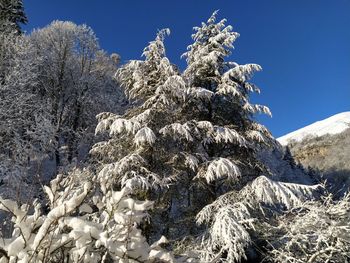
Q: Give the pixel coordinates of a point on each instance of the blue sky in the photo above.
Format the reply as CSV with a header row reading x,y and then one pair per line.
x,y
302,45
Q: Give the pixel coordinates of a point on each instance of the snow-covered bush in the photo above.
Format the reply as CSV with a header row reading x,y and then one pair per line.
x,y
82,224
317,231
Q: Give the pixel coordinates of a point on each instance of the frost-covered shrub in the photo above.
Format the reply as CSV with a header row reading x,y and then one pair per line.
x,y
317,231
83,224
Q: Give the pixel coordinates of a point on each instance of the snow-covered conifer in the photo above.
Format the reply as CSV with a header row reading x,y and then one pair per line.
x,y
186,133
190,138
11,16
140,79
235,216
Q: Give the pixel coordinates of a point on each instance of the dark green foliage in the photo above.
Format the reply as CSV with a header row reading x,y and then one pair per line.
x,y
11,16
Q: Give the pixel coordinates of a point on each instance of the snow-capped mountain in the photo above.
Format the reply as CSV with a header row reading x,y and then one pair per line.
x,y
324,149
332,125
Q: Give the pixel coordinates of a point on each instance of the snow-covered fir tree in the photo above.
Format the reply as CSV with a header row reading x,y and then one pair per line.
x,y
190,138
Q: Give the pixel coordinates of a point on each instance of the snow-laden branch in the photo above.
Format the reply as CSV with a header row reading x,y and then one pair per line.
x,y
144,136
219,169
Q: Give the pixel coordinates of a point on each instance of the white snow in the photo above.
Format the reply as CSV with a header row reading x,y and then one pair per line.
x,y
332,125
144,136
222,167
227,135
177,129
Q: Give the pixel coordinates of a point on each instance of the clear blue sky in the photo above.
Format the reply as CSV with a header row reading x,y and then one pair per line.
x,y
302,45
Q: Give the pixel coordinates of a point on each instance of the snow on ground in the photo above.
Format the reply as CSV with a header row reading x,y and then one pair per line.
x,y
332,125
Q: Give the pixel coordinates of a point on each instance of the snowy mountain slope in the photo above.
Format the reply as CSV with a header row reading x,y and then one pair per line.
x,y
323,149
332,125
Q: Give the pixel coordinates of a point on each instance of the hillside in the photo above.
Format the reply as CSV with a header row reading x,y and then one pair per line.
x,y
323,147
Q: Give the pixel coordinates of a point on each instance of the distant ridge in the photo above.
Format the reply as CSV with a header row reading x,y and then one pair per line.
x,y
332,125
